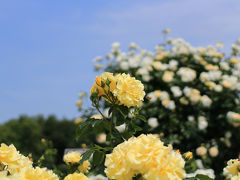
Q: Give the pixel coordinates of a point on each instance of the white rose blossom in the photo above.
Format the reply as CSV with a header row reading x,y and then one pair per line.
x,y
153,122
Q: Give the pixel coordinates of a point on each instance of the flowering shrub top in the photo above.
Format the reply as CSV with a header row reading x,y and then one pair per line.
x,y
192,92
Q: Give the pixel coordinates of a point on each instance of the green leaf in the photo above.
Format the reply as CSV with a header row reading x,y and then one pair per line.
x,y
203,177
123,110
102,84
120,120
108,82
95,122
98,157
86,156
141,117
136,128
106,124
82,128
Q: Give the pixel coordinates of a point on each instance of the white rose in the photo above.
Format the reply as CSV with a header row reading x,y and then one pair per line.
x,y
176,91
121,128
213,151
202,123
153,122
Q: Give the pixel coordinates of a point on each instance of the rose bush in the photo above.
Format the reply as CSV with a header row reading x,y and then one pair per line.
x,y
193,96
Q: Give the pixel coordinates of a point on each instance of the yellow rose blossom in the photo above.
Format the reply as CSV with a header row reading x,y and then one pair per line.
x,y
145,155
9,156
129,91
83,145
84,167
157,93
210,84
234,61
157,65
97,116
232,167
194,96
210,67
201,151
149,68
183,100
236,177
76,176
30,173
162,55
72,158
79,103
213,151
226,84
165,102
75,158
4,176
168,76
103,78
78,120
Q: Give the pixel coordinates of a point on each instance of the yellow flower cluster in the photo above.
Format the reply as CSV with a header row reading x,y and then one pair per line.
x,y
9,156
145,155
74,158
233,169
128,91
20,167
76,176
30,173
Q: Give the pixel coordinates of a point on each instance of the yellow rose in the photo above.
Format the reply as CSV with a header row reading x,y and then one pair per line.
x,y
168,76
72,158
165,102
157,93
210,84
234,61
201,151
129,91
97,116
76,176
195,96
9,156
210,67
232,167
144,155
183,100
213,151
157,65
162,55
30,173
84,167
236,177
79,103
78,120
226,84
103,78
116,165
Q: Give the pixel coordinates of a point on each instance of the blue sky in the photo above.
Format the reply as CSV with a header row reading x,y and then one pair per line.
x,y
47,47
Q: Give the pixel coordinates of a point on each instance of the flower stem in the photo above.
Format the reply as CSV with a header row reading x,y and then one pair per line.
x,y
111,126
